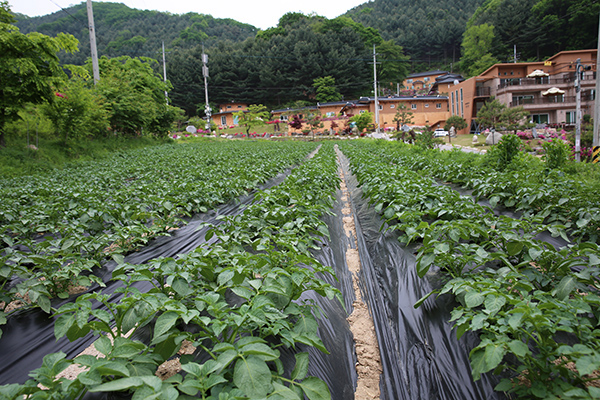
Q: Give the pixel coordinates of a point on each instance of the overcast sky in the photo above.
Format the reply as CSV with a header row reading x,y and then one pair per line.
x,y
261,13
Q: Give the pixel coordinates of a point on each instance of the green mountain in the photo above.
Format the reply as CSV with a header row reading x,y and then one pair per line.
x,y
429,31
121,30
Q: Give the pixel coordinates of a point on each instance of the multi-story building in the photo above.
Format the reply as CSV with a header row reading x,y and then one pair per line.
x,y
422,80
546,89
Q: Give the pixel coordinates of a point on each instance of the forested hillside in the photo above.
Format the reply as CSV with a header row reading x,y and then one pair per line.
x,y
279,65
430,32
121,30
538,29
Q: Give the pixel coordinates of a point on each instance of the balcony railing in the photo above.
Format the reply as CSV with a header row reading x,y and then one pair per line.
x,y
550,100
534,81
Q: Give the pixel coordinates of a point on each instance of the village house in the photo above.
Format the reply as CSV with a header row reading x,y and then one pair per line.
x,y
224,117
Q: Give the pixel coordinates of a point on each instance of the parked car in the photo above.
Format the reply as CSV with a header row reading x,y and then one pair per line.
x,y
439,132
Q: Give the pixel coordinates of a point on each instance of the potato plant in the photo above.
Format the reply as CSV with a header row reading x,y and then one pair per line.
x,y
237,299
55,228
534,306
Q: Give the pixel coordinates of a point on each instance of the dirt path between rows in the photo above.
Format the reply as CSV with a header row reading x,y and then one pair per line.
x,y
368,365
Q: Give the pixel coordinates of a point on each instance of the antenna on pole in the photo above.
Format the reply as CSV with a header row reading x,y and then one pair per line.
x,y
375,90
207,109
95,68
165,70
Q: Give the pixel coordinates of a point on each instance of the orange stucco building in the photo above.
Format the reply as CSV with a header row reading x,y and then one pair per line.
x,y
224,117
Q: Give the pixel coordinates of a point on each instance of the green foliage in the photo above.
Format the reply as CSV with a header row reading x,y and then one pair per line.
x,y
261,256
363,120
490,114
256,115
429,33
533,305
402,117
134,32
505,152
29,68
135,96
477,45
78,112
370,36
427,140
539,28
326,90
514,118
455,121
394,64
557,154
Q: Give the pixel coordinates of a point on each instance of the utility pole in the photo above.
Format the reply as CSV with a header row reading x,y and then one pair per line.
x,y
375,90
577,111
596,137
95,68
207,109
165,71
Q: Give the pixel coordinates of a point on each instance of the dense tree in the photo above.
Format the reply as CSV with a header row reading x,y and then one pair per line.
x,y
490,114
256,115
402,116
429,32
455,121
394,64
325,89
78,111
122,30
29,67
363,120
135,96
539,28
477,46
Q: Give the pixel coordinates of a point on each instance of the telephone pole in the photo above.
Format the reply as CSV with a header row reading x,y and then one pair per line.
x,y
207,109
375,90
165,71
95,68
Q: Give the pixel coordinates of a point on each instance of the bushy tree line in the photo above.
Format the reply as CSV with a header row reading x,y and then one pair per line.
x,y
280,65
121,30
538,28
129,99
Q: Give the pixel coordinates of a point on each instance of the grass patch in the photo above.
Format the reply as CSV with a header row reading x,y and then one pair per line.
x,y
16,159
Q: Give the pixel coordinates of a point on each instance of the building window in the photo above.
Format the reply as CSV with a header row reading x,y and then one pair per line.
x,y
283,118
426,105
462,106
361,111
426,79
409,81
380,106
540,118
239,106
522,99
392,106
452,102
223,120
438,106
228,106
413,106
571,117
330,114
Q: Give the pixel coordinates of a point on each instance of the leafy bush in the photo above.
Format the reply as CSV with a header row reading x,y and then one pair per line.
x,y
501,155
557,154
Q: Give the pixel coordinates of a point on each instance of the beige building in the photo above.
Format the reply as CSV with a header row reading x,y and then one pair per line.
x,y
546,89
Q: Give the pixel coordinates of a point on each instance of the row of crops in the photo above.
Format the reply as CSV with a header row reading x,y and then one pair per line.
x,y
528,286
238,299
56,228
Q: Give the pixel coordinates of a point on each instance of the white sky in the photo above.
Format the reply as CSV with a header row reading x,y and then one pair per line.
x,y
261,13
